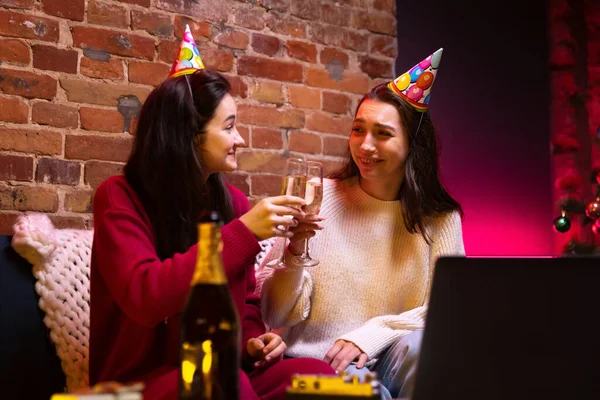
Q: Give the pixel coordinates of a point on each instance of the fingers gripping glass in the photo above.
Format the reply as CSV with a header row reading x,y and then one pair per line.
x,y
313,198
293,183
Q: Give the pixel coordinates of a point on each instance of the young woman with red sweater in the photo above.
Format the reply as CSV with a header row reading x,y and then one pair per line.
x,y
145,235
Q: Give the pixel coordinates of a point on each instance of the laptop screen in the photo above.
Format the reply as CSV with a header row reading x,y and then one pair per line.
x,y
512,328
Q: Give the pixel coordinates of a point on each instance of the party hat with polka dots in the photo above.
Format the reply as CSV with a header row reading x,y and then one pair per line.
x,y
415,84
188,58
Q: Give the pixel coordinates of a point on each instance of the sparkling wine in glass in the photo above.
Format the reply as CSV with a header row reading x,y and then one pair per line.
x,y
292,184
313,198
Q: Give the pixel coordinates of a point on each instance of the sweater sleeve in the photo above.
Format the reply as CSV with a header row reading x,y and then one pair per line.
x,y
252,324
135,276
285,294
380,332
126,257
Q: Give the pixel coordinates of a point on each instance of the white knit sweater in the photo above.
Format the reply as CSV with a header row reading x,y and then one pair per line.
x,y
372,282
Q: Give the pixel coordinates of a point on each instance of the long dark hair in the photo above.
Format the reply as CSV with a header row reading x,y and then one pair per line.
x,y
165,168
421,193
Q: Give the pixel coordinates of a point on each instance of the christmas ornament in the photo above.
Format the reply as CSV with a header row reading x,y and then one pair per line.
x,y
592,210
562,224
596,227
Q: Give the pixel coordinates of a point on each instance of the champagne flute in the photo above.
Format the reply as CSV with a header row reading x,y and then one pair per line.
x,y
313,198
292,184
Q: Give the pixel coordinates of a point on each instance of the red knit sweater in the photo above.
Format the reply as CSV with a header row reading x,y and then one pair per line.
x,y
136,299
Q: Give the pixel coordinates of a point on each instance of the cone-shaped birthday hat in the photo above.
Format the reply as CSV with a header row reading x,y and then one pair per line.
x,y
188,58
415,85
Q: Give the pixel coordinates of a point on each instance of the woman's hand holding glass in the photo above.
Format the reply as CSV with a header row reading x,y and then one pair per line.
x,y
271,216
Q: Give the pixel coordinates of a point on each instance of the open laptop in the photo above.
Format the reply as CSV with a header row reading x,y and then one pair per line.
x,y
512,328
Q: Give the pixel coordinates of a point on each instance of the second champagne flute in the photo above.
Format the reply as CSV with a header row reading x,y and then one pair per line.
x,y
292,184
313,197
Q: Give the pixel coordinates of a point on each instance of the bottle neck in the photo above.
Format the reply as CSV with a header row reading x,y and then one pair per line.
x,y
209,266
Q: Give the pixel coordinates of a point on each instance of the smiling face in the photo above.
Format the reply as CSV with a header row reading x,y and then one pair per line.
x,y
379,147
221,139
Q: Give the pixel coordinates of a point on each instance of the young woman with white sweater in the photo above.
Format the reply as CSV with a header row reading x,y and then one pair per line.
x,y
385,220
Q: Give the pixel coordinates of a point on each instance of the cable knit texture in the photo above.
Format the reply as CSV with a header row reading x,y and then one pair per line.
x,y
61,265
373,280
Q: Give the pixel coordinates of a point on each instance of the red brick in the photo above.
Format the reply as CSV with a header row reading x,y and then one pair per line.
x,y
270,69
88,147
79,91
347,82
307,9
336,102
238,180
265,44
304,97
13,109
385,5
7,220
304,142
96,119
383,45
268,92
239,88
265,185
16,168
27,84
148,73
198,28
329,166
96,172
69,222
206,9
335,146
377,22
111,69
14,51
219,59
334,14
18,3
331,55
269,116
232,38
53,59
28,26
244,132
59,172
167,50
261,161
107,14
266,138
322,122
253,18
143,3
28,198
375,67
285,27
58,115
35,141
302,50
71,9
79,201
114,42
154,23
277,5
339,37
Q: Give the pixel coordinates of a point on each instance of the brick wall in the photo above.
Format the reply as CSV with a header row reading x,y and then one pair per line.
x,y
74,73
575,65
